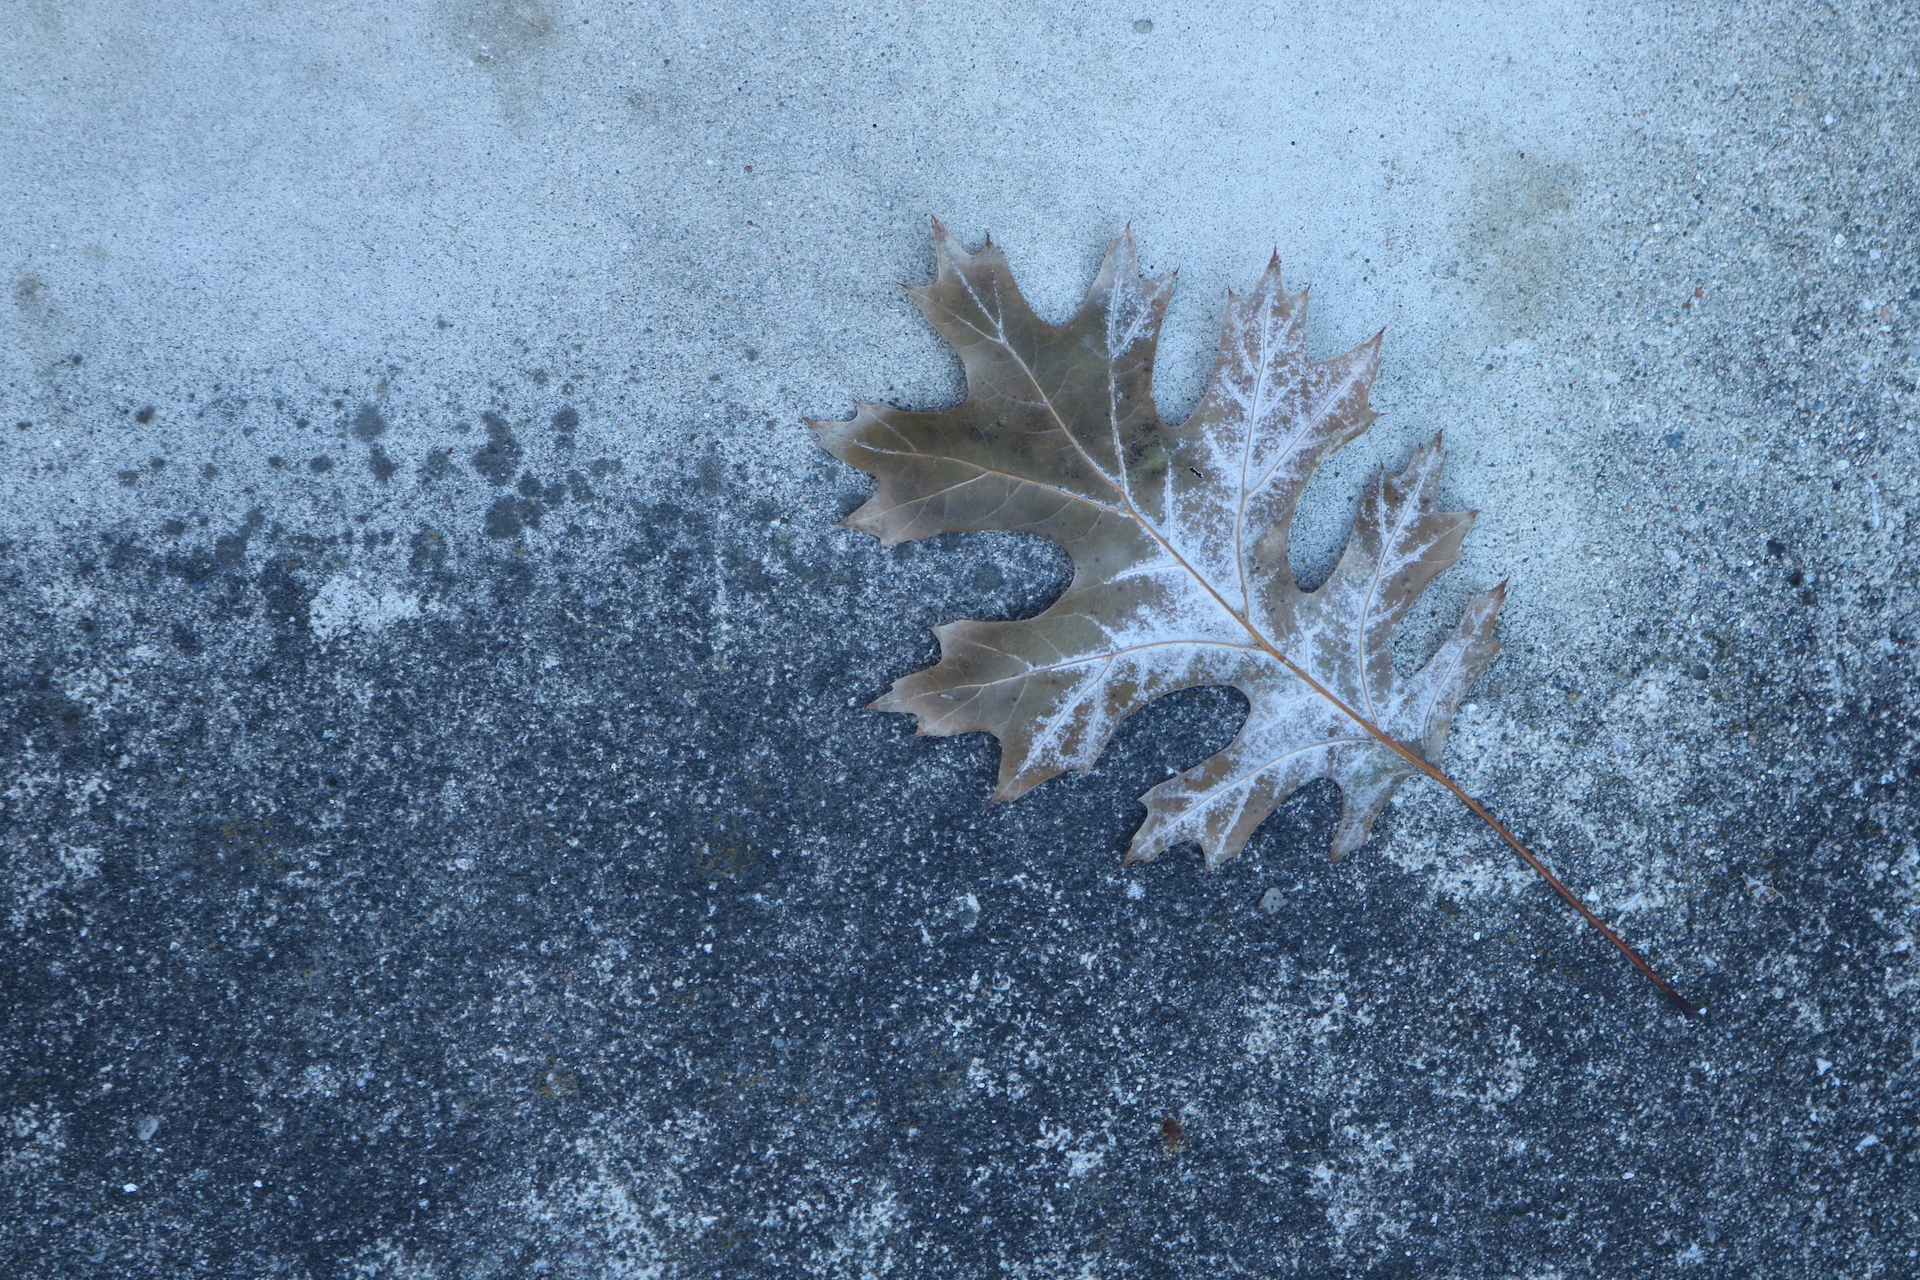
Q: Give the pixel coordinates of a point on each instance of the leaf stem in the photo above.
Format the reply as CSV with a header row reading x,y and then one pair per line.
x,y
1419,762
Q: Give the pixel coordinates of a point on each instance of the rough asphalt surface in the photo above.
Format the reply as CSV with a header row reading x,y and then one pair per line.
x,y
441,837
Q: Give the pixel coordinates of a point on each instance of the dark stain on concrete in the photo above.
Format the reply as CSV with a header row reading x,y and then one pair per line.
x,y
598,874
368,424
503,518
499,458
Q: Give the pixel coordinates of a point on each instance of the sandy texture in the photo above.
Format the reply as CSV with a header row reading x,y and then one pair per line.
x,y
440,836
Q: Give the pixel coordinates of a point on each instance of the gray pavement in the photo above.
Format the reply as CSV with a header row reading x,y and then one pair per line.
x,y
441,836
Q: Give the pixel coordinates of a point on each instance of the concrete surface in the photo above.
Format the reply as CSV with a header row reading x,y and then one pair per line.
x,y
441,839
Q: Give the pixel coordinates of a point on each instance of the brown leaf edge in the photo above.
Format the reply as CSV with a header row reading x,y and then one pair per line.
x,y
1479,810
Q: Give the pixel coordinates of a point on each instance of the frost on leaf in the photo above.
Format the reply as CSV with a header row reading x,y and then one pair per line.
x,y
1178,536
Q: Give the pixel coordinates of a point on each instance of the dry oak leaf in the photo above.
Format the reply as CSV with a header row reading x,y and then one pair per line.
x,y
1178,537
